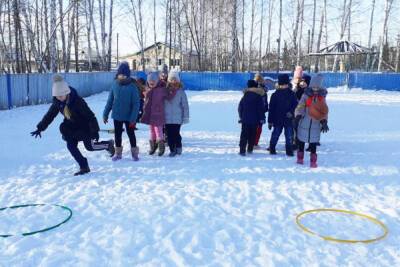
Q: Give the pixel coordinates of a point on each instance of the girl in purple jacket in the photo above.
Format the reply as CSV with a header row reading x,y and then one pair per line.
x,y
153,112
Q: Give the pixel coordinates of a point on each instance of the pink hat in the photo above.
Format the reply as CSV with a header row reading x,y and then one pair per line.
x,y
298,73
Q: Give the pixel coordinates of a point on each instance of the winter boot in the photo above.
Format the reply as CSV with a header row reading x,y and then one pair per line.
x,y
161,148
289,151
135,153
111,148
82,171
83,168
179,150
153,147
300,157
173,151
118,153
313,160
272,149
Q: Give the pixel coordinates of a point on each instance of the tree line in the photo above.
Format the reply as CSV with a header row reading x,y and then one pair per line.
x,y
220,35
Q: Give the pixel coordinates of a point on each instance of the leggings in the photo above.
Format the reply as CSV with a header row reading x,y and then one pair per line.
x,y
156,133
313,146
118,133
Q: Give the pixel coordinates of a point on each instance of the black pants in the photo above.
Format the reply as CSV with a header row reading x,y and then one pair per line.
x,y
313,146
73,136
118,133
247,137
174,136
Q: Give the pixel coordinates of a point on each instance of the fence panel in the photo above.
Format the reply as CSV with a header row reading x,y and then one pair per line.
x,y
31,89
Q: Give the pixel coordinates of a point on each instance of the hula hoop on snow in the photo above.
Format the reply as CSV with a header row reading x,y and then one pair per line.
x,y
332,239
41,230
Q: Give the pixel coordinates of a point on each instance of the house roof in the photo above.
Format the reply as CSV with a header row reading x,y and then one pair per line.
x,y
156,44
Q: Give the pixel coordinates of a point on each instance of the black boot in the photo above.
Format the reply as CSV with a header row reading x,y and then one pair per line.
x,y
272,150
84,168
153,147
173,151
289,151
82,171
111,148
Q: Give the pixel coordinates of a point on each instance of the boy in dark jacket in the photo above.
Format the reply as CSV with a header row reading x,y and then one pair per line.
x,y
80,124
251,114
281,113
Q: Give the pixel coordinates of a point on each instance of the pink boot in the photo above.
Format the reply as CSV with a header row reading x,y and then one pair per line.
x,y
313,160
300,158
118,154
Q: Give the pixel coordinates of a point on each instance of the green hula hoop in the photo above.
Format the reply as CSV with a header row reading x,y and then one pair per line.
x,y
41,230
332,239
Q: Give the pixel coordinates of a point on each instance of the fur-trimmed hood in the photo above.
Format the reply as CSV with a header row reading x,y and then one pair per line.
x,y
322,92
256,90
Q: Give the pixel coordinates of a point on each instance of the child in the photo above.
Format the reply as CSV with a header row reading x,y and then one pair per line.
x,y
80,124
154,112
261,84
142,87
311,115
176,113
124,102
281,114
251,113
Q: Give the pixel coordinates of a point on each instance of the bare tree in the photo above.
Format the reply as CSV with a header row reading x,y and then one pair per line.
x,y
250,60
371,21
138,18
388,7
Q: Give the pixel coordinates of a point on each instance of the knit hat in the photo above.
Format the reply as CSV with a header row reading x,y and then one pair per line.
x,y
153,76
307,79
124,69
316,81
283,79
173,75
60,87
164,69
258,77
252,83
298,73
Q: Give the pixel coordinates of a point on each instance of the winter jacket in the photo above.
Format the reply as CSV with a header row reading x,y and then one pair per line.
x,y
281,107
309,129
123,100
299,91
153,110
78,118
177,108
251,107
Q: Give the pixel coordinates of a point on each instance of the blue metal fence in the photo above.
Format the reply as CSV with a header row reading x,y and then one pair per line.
x,y
30,89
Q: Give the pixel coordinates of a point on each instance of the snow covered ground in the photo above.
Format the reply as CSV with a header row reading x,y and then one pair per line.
x,y
208,207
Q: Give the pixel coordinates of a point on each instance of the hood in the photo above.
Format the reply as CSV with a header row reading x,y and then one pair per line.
x,y
257,90
322,92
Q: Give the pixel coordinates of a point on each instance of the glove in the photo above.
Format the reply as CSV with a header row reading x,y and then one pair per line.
x,y
324,126
95,136
270,126
297,121
36,133
105,120
262,122
132,125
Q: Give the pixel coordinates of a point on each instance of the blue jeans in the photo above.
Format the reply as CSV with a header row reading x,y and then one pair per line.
x,y
277,132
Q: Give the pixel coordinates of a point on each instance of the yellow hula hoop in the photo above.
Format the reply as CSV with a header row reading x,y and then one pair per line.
x,y
332,239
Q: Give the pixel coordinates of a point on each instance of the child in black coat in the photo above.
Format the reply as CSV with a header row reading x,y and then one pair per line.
x,y
281,113
80,124
251,114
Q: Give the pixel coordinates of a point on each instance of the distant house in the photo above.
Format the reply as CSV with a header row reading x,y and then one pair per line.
x,y
154,58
